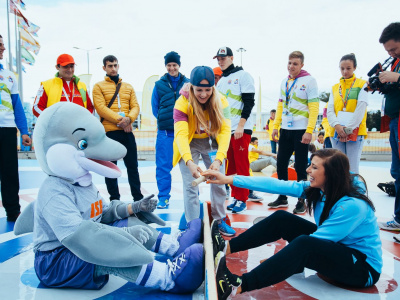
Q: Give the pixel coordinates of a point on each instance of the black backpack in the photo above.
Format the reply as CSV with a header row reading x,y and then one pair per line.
x,y
388,188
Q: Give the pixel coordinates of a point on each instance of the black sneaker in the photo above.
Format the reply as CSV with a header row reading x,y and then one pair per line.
x,y
300,207
217,239
227,283
280,202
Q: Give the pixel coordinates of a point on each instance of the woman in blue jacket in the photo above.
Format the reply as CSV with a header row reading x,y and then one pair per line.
x,y
343,245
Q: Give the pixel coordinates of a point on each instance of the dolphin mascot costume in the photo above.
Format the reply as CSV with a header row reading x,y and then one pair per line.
x,y
78,238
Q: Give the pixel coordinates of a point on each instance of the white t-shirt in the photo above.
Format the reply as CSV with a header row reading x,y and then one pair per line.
x,y
305,89
8,86
318,145
233,86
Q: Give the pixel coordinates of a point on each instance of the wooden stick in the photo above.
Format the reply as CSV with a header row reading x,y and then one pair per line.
x,y
199,180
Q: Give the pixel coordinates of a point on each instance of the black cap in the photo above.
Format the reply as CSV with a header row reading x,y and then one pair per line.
x,y
172,57
224,51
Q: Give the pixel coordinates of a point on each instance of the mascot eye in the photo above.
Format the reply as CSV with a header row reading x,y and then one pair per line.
x,y
82,144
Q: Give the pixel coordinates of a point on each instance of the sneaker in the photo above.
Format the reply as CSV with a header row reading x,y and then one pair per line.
x,y
225,229
239,207
164,203
390,225
227,283
190,236
254,198
280,202
187,270
217,239
232,205
300,207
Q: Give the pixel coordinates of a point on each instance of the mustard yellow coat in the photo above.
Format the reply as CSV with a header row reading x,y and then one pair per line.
x,y
103,91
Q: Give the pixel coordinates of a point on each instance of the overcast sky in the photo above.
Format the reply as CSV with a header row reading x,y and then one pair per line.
x,y
140,33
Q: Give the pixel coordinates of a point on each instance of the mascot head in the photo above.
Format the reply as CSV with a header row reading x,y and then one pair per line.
x,y
70,142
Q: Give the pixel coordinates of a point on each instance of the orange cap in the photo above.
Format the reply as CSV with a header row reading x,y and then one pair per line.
x,y
65,59
217,71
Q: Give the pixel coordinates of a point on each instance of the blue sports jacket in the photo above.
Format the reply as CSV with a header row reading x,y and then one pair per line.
x,y
165,93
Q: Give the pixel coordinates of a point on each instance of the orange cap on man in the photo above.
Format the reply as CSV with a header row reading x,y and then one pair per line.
x,y
217,71
65,59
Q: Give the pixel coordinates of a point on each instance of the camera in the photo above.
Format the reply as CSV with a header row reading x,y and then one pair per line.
x,y
374,84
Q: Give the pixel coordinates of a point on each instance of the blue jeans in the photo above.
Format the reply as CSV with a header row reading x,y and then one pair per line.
x,y
273,146
395,168
164,155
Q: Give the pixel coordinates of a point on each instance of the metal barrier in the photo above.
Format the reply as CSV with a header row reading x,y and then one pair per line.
x,y
376,143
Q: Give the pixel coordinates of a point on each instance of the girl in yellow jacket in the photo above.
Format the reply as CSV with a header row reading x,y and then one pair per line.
x,y
202,126
347,112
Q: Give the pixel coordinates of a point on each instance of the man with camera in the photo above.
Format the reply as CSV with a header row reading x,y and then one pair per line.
x,y
390,38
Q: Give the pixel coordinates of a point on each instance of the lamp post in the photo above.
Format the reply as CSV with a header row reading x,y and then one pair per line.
x,y
241,50
87,52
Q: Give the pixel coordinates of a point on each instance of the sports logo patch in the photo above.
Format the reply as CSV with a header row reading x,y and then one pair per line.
x,y
229,81
303,88
222,51
236,81
1,78
10,79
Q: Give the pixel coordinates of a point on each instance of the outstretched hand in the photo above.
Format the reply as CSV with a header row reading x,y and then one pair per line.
x,y
147,204
217,177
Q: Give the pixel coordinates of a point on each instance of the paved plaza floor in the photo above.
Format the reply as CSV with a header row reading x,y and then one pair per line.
x,y
18,279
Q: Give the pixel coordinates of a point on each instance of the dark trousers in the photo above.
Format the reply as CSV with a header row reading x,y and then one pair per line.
x,y
330,259
9,170
131,163
289,141
395,168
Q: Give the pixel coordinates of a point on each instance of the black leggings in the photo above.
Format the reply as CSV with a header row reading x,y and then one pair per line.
x,y
333,260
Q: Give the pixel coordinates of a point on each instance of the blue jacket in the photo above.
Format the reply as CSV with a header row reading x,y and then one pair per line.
x,y
165,93
351,221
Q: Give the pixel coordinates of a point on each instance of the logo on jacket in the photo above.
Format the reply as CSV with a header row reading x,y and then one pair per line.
x,y
10,79
1,78
236,81
229,81
303,88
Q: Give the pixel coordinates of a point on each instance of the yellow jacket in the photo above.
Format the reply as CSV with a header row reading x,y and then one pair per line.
x,y
103,91
351,102
53,88
271,129
325,123
253,156
184,131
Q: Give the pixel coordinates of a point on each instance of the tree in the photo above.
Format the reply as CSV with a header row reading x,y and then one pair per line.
x,y
374,120
324,96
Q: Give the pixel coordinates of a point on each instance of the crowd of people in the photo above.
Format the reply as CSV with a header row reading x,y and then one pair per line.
x,y
209,115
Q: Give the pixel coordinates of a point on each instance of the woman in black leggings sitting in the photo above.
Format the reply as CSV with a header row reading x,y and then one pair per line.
x,y
343,245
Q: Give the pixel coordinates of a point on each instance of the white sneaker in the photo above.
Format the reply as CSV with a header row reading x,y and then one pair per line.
x,y
390,225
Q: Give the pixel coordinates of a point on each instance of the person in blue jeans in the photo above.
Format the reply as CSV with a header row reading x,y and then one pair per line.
x,y
165,94
390,38
343,244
